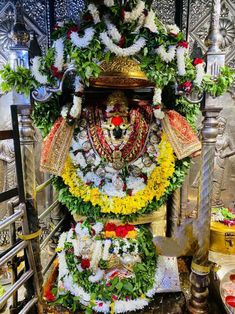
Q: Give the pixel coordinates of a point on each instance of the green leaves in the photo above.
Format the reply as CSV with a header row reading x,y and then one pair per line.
x,y
219,85
20,80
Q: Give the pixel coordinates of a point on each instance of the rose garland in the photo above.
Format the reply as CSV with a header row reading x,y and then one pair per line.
x,y
155,187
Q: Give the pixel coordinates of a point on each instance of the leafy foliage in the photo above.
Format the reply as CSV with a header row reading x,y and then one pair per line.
x,y
20,80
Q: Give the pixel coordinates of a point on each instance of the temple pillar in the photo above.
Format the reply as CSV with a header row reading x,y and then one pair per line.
x,y
19,56
210,109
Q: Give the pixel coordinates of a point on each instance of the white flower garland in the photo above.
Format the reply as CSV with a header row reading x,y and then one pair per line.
x,y
135,14
92,8
200,72
97,253
81,230
123,52
109,3
113,31
150,22
107,244
157,97
83,42
64,112
180,54
76,109
130,305
159,114
59,54
168,55
98,227
42,79
97,277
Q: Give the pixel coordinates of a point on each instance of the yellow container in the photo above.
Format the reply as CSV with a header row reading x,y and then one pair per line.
x,y
222,238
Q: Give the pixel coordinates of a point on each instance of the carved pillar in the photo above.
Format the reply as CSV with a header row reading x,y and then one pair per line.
x,y
19,56
211,108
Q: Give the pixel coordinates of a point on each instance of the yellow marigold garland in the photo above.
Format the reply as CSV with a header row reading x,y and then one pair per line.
x,y
156,186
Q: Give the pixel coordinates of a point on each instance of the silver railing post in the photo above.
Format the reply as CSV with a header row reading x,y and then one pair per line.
x,y
210,109
19,56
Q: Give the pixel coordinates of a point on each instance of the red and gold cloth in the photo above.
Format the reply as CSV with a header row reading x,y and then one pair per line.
x,y
181,136
56,147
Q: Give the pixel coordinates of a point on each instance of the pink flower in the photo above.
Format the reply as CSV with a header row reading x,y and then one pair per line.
x,y
114,297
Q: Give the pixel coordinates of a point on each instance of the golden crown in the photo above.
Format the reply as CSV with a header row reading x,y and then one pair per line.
x,y
120,72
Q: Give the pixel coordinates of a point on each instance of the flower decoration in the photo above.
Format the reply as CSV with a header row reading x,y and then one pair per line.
x,y
186,87
111,284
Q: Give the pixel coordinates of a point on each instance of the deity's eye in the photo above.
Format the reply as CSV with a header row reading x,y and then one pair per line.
x,y
124,126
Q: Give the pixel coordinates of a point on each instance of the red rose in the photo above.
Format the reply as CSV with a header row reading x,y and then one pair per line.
x,y
110,227
197,61
117,120
114,297
186,87
121,231
72,29
129,227
49,296
183,44
122,41
56,73
85,263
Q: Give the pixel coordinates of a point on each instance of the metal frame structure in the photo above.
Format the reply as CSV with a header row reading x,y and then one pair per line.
x,y
17,245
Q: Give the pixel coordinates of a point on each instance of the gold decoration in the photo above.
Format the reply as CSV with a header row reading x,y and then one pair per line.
x,y
222,238
157,221
120,72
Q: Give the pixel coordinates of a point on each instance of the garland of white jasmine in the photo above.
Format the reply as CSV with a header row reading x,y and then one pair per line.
x,y
88,251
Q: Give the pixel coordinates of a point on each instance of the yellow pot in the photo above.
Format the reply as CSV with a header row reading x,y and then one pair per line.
x,y
222,238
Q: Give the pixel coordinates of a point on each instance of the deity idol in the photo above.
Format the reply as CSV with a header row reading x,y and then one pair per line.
x,y
116,163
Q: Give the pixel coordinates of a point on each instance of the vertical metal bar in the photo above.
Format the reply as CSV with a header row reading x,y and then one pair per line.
x,y
179,6
18,160
188,20
211,107
12,231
